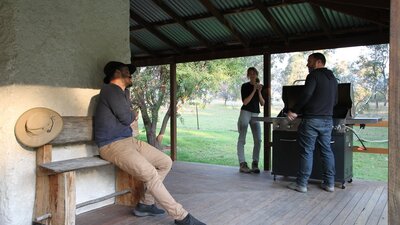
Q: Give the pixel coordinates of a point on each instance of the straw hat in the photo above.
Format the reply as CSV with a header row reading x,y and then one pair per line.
x,y
38,126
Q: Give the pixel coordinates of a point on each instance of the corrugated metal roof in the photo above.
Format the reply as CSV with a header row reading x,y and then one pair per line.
x,y
184,39
252,24
212,29
298,18
149,11
149,40
135,50
223,4
185,8
339,20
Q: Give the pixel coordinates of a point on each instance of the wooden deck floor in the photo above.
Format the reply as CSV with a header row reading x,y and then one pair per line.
x,y
221,195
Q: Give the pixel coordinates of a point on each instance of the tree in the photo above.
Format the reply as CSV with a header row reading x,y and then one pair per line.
x,y
231,73
372,68
151,91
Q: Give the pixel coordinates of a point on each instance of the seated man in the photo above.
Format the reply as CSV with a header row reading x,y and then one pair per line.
x,y
113,135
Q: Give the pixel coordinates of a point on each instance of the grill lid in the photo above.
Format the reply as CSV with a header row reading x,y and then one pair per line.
x,y
291,95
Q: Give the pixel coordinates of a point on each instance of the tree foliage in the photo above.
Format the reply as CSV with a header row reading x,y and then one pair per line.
x,y
373,71
196,82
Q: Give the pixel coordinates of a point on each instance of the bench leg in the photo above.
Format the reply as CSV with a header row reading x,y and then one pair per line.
x,y
42,206
62,198
124,181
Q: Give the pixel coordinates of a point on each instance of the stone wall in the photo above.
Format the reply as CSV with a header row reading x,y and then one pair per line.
x,y
53,52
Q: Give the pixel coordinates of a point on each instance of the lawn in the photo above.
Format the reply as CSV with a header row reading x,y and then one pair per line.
x,y
215,140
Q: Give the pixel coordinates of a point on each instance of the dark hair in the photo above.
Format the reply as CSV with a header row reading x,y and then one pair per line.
x,y
252,69
319,56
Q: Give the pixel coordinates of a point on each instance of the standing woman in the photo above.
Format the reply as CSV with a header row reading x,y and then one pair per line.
x,y
252,99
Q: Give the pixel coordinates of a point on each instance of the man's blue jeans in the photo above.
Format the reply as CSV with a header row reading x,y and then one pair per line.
x,y
314,132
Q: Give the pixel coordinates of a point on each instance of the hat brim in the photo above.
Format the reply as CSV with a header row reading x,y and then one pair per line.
x,y
131,67
37,140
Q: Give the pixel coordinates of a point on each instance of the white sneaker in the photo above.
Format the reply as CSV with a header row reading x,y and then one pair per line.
x,y
327,188
296,187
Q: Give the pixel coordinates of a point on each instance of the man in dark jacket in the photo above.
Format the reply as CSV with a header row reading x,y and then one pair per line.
x,y
316,106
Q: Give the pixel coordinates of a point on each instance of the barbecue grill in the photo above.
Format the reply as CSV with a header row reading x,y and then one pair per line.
x,y
285,157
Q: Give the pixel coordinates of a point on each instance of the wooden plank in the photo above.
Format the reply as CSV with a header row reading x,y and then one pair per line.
x,y
384,217
222,195
349,196
74,164
383,123
124,181
369,207
376,214
371,150
62,198
356,211
42,206
394,112
331,204
347,210
90,202
76,129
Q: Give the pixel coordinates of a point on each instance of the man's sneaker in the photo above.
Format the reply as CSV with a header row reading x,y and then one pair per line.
x,y
296,187
189,220
254,167
147,210
244,168
327,188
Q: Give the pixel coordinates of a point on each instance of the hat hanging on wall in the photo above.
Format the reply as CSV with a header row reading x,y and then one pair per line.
x,y
38,126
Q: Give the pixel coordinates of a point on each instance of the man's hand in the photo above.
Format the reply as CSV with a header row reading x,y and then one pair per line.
x,y
291,115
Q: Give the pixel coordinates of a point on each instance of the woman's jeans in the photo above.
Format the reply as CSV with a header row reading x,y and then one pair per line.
x,y
243,123
312,132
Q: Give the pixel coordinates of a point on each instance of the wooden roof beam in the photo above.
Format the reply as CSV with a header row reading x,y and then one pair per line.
x,y
321,20
217,14
380,18
154,31
269,18
375,4
273,48
139,45
183,23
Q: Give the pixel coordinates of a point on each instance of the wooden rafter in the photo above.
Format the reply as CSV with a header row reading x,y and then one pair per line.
x,y
141,46
217,14
374,4
321,20
275,46
270,19
182,22
155,31
377,16
224,13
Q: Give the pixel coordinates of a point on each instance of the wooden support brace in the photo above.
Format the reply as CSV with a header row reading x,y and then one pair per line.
x,y
125,181
62,198
42,206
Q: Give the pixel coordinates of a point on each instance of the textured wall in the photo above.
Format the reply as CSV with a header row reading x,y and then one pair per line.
x,y
52,56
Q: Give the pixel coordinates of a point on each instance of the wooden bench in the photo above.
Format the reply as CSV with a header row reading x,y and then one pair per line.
x,y
55,200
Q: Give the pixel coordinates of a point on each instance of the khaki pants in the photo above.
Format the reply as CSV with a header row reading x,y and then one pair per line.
x,y
147,164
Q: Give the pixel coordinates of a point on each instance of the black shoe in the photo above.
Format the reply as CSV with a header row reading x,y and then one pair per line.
x,y
254,167
189,220
244,168
147,210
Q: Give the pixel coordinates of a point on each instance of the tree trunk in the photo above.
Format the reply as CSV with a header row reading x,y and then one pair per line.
x,y
164,124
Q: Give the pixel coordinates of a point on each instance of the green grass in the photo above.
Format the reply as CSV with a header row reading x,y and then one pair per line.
x,y
215,141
